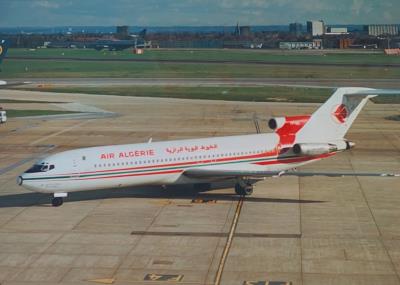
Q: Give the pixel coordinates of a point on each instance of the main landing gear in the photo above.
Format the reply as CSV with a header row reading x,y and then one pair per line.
x,y
58,199
243,188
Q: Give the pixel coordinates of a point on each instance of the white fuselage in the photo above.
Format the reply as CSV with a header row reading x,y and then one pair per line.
x,y
157,163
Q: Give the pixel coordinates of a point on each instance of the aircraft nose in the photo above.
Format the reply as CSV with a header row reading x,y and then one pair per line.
x,y
20,180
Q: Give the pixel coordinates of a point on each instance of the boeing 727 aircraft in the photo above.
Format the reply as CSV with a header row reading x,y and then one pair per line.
x,y
296,141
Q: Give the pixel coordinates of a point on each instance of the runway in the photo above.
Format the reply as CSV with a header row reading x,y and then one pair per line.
x,y
308,231
184,61
210,82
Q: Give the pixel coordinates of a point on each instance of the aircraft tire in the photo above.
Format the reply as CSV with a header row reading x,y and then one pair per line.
x,y
243,191
238,189
57,201
248,190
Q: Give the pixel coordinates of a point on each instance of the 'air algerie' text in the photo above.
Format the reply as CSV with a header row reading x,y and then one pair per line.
x,y
128,154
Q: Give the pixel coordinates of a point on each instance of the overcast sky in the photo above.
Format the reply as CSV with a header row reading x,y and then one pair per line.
x,y
194,12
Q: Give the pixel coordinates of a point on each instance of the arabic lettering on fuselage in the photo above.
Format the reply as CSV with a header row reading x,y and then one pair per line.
x,y
190,149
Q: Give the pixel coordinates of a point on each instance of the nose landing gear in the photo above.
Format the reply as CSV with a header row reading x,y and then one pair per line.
x,y
58,199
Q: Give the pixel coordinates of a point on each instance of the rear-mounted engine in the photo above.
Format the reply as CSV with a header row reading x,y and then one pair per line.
x,y
311,149
287,125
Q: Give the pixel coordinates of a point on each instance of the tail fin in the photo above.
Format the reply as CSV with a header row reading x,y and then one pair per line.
x,y
3,49
334,118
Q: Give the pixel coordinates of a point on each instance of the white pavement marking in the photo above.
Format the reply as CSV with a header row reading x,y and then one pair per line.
x,y
59,132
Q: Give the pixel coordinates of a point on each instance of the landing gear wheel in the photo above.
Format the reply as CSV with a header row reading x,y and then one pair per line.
x,y
238,189
243,190
57,201
248,190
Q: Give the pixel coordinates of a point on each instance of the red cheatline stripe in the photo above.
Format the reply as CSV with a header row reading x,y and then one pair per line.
x,y
135,174
281,161
181,170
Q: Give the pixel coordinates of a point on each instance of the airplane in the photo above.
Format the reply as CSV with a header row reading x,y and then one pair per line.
x,y
119,45
244,159
3,52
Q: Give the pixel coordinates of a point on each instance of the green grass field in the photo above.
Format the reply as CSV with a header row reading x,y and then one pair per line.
x,y
258,94
21,68
355,57
24,101
67,69
393,118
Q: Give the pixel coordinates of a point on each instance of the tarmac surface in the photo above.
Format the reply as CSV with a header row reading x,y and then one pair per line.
x,y
184,61
313,230
208,82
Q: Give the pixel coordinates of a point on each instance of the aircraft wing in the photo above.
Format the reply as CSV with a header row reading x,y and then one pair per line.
x,y
206,173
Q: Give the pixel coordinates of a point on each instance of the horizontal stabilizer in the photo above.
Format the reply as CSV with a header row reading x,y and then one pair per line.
x,y
368,92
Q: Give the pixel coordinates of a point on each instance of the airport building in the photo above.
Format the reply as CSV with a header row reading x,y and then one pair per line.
x,y
337,31
296,28
242,30
381,30
316,44
122,32
316,28
245,31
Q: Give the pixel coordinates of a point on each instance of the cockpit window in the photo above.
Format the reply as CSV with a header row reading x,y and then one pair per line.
x,y
40,168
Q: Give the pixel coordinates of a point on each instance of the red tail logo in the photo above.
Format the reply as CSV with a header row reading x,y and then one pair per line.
x,y
341,113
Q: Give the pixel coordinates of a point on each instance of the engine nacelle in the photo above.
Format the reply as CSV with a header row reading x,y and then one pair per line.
x,y
289,124
344,145
311,149
276,123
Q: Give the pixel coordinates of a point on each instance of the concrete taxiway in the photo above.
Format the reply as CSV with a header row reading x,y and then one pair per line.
x,y
313,230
